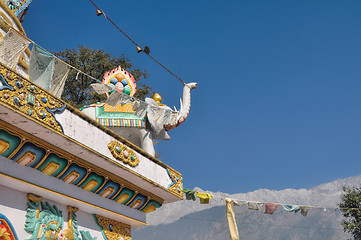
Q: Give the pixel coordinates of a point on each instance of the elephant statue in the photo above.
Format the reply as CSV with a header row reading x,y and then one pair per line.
x,y
123,117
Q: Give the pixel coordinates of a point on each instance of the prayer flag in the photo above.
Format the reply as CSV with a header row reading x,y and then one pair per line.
x,y
135,105
113,98
291,208
11,47
141,110
41,67
124,99
190,195
204,197
58,80
117,97
240,203
100,88
232,225
270,208
255,205
304,210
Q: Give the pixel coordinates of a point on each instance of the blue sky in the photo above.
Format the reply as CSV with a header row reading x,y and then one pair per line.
x,y
278,103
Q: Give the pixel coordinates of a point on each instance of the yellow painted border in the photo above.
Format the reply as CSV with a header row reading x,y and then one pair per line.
x,y
72,198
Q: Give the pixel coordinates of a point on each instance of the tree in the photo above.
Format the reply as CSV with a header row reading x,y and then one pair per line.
x,y
350,207
78,91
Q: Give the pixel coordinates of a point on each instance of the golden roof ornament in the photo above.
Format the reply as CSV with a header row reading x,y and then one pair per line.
x,y
158,99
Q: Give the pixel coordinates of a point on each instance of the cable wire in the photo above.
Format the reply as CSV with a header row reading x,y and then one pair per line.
x,y
136,44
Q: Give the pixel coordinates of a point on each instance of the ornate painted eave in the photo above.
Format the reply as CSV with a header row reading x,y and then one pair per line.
x,y
44,133
26,180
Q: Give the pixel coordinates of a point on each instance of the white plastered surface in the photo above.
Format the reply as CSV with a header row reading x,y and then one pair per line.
x,y
94,138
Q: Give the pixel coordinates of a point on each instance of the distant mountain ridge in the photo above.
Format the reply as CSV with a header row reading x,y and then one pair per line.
x,y
208,221
327,194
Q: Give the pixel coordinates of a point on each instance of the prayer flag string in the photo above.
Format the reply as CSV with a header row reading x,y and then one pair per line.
x,y
50,72
139,49
270,208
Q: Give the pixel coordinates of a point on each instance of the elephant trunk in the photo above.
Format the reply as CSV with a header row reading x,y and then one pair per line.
x,y
185,106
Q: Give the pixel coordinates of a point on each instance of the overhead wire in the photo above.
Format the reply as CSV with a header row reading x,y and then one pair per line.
x,y
136,44
91,77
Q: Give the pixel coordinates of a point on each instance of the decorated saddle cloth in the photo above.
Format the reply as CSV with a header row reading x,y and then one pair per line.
x,y
118,116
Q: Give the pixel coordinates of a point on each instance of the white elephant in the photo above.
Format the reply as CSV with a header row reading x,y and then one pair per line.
x,y
122,118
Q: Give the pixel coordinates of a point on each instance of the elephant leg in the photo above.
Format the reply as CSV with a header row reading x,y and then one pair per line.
x,y
146,141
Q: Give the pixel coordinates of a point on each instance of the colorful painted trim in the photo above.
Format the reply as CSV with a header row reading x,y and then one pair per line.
x,y
71,170
72,198
18,6
123,153
177,182
151,206
113,230
118,119
126,123
7,231
32,101
24,97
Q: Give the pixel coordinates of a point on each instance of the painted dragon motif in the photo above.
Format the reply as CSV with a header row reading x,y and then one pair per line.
x,y
45,222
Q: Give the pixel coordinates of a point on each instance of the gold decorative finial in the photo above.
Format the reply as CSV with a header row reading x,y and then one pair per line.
x,y
157,98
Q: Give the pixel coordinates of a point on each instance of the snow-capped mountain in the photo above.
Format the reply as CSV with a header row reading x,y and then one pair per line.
x,y
191,220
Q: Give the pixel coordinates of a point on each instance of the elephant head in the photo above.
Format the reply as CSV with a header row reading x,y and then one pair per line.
x,y
156,113
185,106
